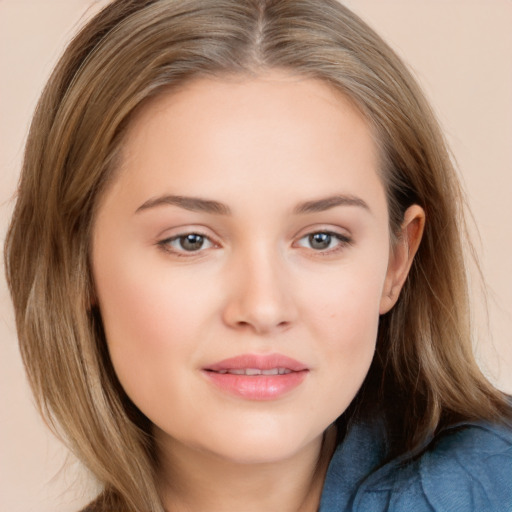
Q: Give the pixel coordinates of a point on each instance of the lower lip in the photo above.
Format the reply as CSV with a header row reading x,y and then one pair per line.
x,y
257,387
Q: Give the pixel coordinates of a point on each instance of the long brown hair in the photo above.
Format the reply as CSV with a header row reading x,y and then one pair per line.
x,y
136,49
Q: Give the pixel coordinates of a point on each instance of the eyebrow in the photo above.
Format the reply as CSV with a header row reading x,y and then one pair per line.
x,y
197,204
194,204
321,205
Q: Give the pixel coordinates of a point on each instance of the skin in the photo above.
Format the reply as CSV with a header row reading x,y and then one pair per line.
x,y
261,147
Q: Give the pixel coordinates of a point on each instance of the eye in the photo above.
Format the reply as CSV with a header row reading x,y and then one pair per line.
x,y
324,241
187,242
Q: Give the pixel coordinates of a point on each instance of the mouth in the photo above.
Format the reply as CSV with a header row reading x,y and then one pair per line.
x,y
257,377
251,372
256,364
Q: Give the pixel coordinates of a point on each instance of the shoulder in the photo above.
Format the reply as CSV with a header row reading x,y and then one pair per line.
x,y
465,468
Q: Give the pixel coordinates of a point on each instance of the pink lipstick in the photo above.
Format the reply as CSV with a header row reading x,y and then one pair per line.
x,y
257,377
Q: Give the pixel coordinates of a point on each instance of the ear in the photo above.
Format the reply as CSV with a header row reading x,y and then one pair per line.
x,y
401,256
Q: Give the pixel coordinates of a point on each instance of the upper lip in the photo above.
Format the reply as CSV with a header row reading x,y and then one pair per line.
x,y
258,361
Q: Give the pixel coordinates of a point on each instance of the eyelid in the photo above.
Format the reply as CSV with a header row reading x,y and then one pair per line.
x,y
311,229
344,239
164,242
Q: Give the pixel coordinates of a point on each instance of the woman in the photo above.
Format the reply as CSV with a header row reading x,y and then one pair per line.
x,y
249,290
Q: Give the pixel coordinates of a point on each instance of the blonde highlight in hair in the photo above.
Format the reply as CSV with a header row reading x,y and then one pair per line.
x,y
134,50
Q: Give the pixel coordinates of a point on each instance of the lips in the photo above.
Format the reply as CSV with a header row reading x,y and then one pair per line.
x,y
257,377
256,371
258,362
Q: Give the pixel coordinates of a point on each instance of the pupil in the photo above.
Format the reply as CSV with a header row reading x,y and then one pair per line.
x,y
320,240
191,242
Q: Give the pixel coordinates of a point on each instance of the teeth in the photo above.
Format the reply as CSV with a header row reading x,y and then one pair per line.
x,y
256,371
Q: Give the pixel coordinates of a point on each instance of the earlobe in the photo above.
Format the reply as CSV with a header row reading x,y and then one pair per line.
x,y
402,255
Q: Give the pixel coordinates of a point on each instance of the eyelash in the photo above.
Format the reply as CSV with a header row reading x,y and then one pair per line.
x,y
342,242
165,245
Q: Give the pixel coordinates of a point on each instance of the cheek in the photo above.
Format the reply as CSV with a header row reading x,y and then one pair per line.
x,y
350,332
145,303
148,322
345,304
344,317
136,310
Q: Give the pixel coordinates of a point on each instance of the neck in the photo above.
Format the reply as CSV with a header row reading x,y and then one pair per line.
x,y
192,480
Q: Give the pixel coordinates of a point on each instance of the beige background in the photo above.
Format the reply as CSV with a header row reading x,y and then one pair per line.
x,y
460,50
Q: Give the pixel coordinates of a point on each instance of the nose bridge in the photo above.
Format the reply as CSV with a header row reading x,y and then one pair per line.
x,y
260,295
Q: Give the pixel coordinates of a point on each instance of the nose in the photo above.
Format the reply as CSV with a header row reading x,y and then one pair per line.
x,y
260,296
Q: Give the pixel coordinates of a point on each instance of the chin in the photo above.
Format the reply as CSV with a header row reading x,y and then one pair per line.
x,y
259,446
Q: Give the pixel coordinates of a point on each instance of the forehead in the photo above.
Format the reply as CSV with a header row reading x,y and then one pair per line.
x,y
276,130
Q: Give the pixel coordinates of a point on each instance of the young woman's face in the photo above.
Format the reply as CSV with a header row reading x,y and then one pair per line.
x,y
245,232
